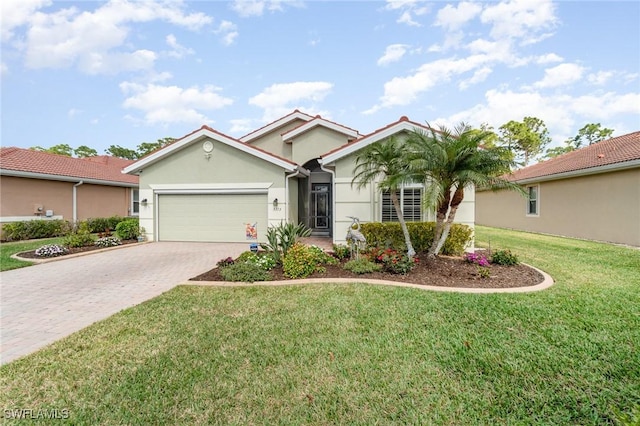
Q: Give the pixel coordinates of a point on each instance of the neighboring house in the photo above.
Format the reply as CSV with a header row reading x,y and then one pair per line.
x,y
592,193
208,186
36,185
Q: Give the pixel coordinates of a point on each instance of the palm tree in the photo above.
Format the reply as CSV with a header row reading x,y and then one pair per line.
x,y
448,161
384,160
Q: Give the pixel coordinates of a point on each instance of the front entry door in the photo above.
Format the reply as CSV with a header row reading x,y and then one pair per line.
x,y
321,208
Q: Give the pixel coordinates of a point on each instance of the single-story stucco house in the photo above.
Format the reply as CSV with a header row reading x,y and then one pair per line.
x,y
592,193
40,185
208,186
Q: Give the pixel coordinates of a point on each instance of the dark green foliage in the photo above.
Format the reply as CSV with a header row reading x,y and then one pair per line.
x,y
244,272
79,236
300,262
362,266
504,257
282,237
32,229
389,234
392,260
223,263
102,224
341,251
128,229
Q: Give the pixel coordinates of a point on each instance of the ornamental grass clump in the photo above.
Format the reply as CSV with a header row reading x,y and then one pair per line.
x,y
51,250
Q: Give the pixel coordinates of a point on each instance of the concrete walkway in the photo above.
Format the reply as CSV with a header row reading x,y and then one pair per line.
x,y
46,302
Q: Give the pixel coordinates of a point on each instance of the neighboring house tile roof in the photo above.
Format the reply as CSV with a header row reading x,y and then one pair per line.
x,y
100,168
609,152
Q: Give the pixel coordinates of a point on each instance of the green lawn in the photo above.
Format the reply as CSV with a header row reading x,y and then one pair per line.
x,y
9,249
360,354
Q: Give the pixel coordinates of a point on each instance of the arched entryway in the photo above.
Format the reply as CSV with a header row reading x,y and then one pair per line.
x,y
316,200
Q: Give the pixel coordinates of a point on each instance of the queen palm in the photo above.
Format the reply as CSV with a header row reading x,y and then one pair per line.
x,y
448,161
383,162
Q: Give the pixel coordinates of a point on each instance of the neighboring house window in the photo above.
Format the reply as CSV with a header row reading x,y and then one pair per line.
x,y
533,200
410,201
135,202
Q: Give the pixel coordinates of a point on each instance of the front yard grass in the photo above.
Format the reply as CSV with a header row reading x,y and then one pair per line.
x,y
9,249
359,354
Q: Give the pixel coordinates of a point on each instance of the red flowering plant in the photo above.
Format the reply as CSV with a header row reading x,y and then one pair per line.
x,y
392,261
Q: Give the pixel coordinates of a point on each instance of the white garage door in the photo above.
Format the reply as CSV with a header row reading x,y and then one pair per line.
x,y
207,217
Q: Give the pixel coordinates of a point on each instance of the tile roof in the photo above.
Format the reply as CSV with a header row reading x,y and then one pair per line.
x,y
103,167
612,151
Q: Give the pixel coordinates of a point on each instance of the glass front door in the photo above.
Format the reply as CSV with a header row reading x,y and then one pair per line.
x,y
320,206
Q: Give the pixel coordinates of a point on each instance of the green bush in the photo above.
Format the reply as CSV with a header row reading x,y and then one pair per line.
x,y
322,257
33,229
392,260
244,272
389,234
504,257
300,262
282,237
362,266
341,251
79,237
128,229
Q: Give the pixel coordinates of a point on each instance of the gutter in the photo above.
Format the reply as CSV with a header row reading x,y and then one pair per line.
x,y
584,172
75,201
47,176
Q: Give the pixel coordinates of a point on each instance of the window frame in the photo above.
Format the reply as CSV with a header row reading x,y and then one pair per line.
x,y
535,200
135,202
414,218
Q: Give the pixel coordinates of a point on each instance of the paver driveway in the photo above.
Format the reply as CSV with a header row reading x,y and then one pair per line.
x,y
43,303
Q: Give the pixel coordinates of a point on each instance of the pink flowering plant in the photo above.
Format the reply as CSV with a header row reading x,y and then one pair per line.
x,y
478,259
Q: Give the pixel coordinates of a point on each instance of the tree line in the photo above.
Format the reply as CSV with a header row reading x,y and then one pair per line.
x,y
83,151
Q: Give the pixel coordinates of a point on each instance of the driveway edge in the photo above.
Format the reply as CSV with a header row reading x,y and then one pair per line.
x,y
546,283
71,256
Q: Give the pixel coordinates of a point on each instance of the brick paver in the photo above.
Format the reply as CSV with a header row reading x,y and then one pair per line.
x,y
43,303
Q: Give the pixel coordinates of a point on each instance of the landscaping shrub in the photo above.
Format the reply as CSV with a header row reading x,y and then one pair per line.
x,y
321,256
389,234
300,262
51,250
263,260
478,258
484,272
108,242
362,266
341,251
245,272
128,229
222,263
33,229
79,237
504,257
392,261
282,237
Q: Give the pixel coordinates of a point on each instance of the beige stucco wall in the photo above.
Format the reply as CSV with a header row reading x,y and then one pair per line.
x,y
272,141
602,207
315,142
19,195
189,167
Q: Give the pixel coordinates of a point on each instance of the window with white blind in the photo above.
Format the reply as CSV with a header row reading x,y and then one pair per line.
x,y
410,201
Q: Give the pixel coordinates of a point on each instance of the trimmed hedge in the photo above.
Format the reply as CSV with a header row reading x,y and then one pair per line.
x,y
389,234
34,229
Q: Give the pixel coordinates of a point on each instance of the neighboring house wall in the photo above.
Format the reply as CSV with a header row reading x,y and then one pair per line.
x,y
602,207
20,195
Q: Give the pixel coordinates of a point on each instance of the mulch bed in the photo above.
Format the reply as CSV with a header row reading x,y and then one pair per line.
x,y
32,254
443,272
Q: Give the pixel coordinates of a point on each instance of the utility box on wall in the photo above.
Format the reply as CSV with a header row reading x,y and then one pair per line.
x,y
38,209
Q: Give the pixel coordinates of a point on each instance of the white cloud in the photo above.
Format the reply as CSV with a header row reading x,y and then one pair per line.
x,y
4,69
178,51
452,18
408,9
561,75
521,19
16,13
73,112
548,58
173,104
479,76
600,78
241,126
278,99
393,53
248,8
91,40
228,31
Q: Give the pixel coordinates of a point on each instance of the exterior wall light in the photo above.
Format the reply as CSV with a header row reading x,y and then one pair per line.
x,y
143,201
275,203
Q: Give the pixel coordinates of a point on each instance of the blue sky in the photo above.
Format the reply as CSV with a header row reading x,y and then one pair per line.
x,y
125,72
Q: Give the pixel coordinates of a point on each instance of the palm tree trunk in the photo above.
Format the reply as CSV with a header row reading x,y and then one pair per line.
x,y
407,238
455,203
441,216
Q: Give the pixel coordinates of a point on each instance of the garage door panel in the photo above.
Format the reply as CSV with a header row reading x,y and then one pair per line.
x,y
210,217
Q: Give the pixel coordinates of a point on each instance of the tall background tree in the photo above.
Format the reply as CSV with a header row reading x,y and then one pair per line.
x,y
448,161
588,135
145,148
65,149
526,139
383,162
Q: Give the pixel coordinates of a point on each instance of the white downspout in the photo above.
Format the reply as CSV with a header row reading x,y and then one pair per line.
x,y
75,200
333,198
